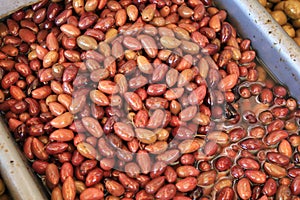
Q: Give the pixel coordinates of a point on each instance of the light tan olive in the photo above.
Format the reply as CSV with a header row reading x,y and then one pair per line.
x,y
190,47
279,17
263,2
86,42
50,58
181,33
130,55
289,30
185,12
164,54
169,42
110,35
296,23
104,48
51,98
145,136
262,74
158,21
165,11
202,119
80,186
132,12
297,40
212,10
148,12
292,9
32,55
279,6
162,134
57,70
298,33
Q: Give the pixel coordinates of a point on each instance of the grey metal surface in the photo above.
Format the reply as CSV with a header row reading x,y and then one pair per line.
x,y
21,182
279,52
17,175
7,7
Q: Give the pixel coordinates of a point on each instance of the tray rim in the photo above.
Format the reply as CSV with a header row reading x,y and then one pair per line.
x,y
32,189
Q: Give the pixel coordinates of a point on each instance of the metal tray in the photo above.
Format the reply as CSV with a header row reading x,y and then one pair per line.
x,y
279,53
275,48
14,169
10,6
